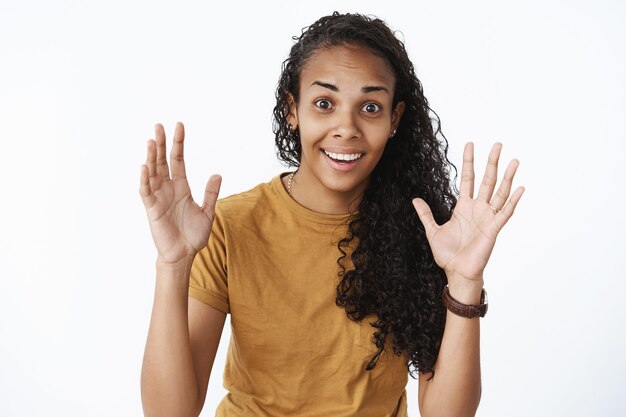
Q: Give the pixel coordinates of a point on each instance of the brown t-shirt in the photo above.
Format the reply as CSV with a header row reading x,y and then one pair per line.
x,y
272,264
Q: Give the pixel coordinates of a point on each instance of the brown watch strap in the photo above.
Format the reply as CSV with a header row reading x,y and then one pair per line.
x,y
464,310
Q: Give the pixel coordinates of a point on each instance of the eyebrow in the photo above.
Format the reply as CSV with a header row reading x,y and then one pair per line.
x,y
367,89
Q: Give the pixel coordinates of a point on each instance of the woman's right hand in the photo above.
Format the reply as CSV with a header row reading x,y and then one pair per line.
x,y
179,226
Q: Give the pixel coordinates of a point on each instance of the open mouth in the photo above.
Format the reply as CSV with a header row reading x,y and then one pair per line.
x,y
343,158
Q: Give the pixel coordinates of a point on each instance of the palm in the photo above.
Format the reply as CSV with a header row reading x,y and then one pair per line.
x,y
462,245
179,226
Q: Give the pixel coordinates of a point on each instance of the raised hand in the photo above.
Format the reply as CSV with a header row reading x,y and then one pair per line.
x,y
179,226
462,246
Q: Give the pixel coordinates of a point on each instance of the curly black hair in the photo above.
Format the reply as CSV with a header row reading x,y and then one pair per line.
x,y
394,280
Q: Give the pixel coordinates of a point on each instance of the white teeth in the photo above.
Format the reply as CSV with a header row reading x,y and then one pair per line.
x,y
344,156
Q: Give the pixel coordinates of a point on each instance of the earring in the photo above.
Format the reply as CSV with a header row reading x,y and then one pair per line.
x,y
393,133
293,130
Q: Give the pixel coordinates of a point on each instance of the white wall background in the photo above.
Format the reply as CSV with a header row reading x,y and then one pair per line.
x,y
81,85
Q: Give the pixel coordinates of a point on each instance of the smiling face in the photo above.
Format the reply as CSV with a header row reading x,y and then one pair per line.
x,y
345,117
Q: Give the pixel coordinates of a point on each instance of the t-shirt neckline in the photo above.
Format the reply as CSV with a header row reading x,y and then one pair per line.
x,y
335,219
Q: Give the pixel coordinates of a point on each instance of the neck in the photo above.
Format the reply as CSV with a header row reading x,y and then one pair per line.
x,y
309,192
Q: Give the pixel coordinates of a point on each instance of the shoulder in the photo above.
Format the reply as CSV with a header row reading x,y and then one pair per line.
x,y
249,204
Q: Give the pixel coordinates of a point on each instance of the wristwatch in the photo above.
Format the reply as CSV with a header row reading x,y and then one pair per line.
x,y
465,310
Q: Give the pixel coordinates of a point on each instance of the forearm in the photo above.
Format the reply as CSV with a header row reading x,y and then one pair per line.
x,y
168,382
455,388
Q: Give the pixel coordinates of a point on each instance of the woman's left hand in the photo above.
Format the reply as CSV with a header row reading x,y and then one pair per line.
x,y
462,246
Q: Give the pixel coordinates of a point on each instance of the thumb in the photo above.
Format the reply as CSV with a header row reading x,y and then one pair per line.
x,y
210,195
426,216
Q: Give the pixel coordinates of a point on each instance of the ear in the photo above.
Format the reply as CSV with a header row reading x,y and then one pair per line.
x,y
396,116
292,115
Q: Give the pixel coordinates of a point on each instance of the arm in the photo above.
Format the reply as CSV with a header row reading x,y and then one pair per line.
x,y
456,383
183,338
462,247
183,335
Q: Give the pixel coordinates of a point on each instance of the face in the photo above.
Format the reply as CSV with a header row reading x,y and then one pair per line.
x,y
345,117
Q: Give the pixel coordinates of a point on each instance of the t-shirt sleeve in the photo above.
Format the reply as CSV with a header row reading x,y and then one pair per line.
x,y
208,281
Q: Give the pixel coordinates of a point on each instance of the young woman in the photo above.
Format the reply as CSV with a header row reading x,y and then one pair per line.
x,y
340,274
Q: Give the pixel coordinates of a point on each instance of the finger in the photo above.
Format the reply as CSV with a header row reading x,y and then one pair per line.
x,y
210,195
176,156
425,215
151,158
491,174
144,187
161,159
504,190
153,174
467,171
507,211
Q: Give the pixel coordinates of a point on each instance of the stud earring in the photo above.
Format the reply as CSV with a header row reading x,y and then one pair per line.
x,y
393,133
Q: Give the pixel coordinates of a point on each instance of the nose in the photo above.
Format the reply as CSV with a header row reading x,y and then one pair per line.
x,y
346,125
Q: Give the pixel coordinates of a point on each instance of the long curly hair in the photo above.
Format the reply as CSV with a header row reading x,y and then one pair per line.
x,y
394,279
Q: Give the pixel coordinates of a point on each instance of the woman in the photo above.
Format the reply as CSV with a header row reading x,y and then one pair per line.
x,y
333,283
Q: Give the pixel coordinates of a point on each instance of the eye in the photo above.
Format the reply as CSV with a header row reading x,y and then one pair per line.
x,y
323,104
371,108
